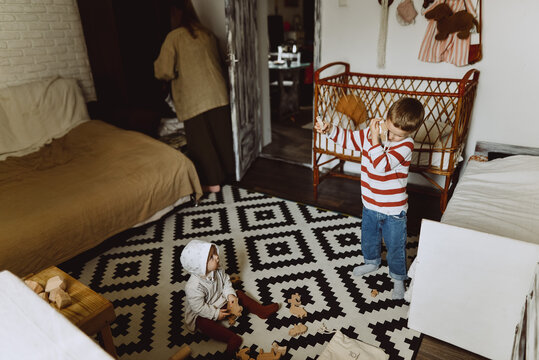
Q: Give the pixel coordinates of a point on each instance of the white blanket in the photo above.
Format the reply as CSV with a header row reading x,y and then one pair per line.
x,y
498,197
32,329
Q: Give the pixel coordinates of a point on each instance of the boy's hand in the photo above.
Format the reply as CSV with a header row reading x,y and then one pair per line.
x,y
374,127
231,298
223,313
321,127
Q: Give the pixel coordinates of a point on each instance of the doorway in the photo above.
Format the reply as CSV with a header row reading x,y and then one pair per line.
x,y
290,31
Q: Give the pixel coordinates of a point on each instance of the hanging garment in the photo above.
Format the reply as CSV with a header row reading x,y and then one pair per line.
x,y
451,50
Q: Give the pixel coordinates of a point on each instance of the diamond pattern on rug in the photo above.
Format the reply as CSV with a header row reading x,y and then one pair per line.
x,y
264,215
277,248
201,223
127,270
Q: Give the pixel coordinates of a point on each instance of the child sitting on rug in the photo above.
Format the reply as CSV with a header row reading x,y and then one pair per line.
x,y
384,174
207,292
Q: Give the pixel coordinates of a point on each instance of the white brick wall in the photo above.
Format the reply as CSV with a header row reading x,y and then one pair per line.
x,y
40,39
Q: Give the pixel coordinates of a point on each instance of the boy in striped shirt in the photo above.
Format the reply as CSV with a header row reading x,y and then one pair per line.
x,y
384,174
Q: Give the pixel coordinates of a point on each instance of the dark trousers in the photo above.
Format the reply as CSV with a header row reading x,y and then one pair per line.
x,y
209,145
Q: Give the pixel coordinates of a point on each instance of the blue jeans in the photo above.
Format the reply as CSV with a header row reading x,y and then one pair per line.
x,y
392,228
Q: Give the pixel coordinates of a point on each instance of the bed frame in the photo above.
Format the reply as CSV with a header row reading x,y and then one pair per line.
x,y
448,105
483,148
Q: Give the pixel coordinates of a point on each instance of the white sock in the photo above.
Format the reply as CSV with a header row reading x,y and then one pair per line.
x,y
398,290
365,269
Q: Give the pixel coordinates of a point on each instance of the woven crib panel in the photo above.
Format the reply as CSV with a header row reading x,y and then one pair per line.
x,y
437,139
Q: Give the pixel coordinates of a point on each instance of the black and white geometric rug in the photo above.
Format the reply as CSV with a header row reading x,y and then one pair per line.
x,y
278,248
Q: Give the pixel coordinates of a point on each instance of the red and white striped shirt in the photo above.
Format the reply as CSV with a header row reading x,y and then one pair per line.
x,y
384,172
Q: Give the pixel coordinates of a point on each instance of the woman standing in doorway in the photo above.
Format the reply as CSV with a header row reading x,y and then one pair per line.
x,y
190,59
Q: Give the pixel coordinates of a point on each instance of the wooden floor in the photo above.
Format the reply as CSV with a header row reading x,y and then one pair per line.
x,y
290,141
294,182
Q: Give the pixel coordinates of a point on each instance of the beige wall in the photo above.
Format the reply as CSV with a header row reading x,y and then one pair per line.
x,y
40,39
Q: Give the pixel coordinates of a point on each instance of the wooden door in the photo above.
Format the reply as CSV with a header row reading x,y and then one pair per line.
x,y
242,48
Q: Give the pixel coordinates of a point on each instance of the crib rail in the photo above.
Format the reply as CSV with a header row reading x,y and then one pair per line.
x,y
440,140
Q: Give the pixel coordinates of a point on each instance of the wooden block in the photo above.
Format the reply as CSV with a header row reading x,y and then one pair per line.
x,y
277,349
53,293
63,299
55,282
298,329
243,354
44,296
295,299
295,306
235,310
374,293
60,298
34,285
182,354
298,311
267,356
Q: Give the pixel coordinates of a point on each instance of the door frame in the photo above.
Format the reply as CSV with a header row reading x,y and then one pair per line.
x,y
264,122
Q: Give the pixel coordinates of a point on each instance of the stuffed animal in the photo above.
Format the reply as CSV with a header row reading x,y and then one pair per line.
x,y
448,22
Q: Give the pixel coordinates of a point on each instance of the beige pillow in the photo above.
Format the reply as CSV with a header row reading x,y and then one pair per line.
x,y
429,132
33,114
352,107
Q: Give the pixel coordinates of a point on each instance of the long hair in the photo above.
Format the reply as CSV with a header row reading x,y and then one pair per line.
x,y
189,18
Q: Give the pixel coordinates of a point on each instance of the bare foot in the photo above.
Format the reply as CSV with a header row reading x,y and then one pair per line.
x,y
211,188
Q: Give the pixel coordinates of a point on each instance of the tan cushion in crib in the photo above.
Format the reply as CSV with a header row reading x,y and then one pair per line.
x,y
429,133
352,107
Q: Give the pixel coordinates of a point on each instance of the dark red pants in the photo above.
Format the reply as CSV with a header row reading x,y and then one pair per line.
x,y
216,331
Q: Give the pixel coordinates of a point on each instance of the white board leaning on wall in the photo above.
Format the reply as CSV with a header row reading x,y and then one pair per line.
x,y
470,287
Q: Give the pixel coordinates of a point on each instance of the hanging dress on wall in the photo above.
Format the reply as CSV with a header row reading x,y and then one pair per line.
x,y
451,50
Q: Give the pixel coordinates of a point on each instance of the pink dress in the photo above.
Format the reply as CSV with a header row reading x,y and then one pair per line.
x,y
452,50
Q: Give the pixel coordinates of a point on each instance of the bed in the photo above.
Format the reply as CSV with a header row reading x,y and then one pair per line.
x,y
485,252
67,183
500,196
347,99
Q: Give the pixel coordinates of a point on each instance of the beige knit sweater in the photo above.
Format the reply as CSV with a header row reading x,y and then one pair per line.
x,y
193,66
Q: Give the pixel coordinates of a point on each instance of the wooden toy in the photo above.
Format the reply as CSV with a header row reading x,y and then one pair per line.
x,y
298,329
243,354
55,282
235,310
374,293
44,296
295,306
295,299
60,298
277,349
267,356
34,285
182,354
234,279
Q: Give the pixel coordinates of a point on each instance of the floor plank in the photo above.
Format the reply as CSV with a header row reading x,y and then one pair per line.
x,y
295,182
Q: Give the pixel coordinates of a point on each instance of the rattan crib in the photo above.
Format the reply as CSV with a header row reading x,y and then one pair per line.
x,y
440,140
